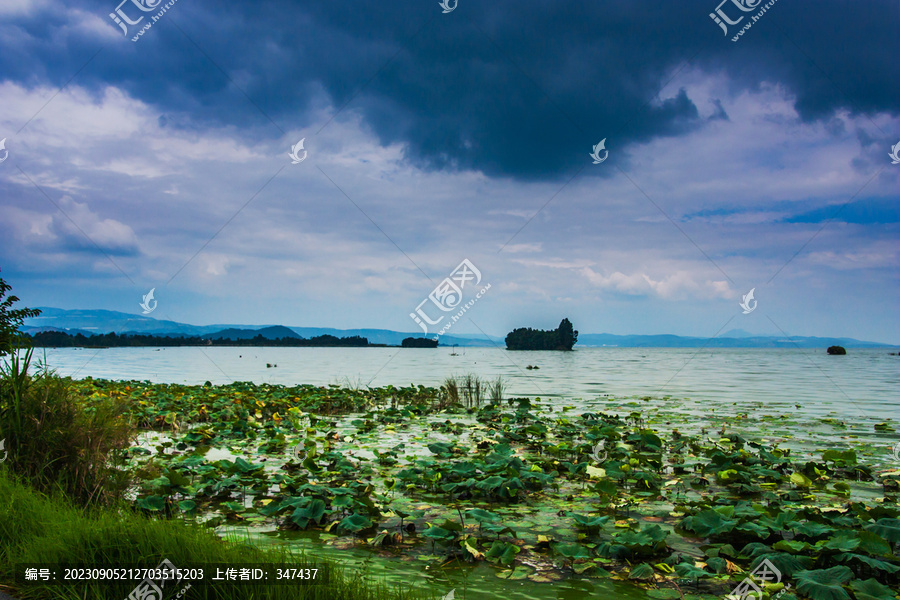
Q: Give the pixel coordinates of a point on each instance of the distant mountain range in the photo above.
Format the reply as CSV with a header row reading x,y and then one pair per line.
x,y
275,332
723,341
89,322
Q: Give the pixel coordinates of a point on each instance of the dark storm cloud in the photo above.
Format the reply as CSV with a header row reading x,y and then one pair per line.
x,y
519,89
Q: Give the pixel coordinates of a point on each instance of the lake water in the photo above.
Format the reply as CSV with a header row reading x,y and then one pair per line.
x,y
863,384
798,398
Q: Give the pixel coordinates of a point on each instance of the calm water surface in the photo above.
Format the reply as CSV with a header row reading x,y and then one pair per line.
x,y
864,383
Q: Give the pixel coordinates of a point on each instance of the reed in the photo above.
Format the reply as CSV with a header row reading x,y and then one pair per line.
x,y
449,393
56,441
496,391
473,392
470,391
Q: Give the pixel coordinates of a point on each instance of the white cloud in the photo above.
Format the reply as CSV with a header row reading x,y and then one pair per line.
x,y
80,227
678,285
877,255
517,248
17,8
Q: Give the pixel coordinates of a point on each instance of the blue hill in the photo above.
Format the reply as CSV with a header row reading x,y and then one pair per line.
x,y
90,322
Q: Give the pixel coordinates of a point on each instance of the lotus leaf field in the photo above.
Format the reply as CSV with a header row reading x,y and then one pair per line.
x,y
541,491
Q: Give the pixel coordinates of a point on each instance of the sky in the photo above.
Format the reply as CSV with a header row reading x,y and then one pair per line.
x,y
157,155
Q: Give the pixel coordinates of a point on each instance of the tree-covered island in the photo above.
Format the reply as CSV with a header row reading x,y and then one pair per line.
x,y
563,337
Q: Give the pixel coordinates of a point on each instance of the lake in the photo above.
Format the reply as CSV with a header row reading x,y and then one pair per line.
x,y
864,384
798,399
867,380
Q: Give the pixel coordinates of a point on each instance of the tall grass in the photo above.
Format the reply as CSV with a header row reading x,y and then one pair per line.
x,y
473,390
450,393
496,391
470,391
37,529
59,442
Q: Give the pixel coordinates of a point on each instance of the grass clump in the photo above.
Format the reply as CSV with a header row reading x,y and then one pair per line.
x,y
495,390
450,393
58,441
470,391
35,528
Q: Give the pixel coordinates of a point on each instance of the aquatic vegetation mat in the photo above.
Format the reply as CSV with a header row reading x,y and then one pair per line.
x,y
542,493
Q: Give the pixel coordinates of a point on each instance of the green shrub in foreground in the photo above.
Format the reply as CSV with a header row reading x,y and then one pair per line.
x,y
55,441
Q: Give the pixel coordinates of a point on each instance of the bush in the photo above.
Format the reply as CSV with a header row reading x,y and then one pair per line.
x,y
11,320
56,441
836,350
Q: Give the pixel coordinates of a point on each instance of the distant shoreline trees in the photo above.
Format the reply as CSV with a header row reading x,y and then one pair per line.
x,y
61,339
420,342
563,337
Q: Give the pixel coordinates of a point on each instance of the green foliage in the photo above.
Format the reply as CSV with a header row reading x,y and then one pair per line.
x,y
498,470
502,552
61,339
647,541
689,571
590,523
440,534
571,551
847,457
356,523
871,590
11,320
709,523
824,584
314,511
568,337
889,529
35,528
786,564
563,337
641,572
54,441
